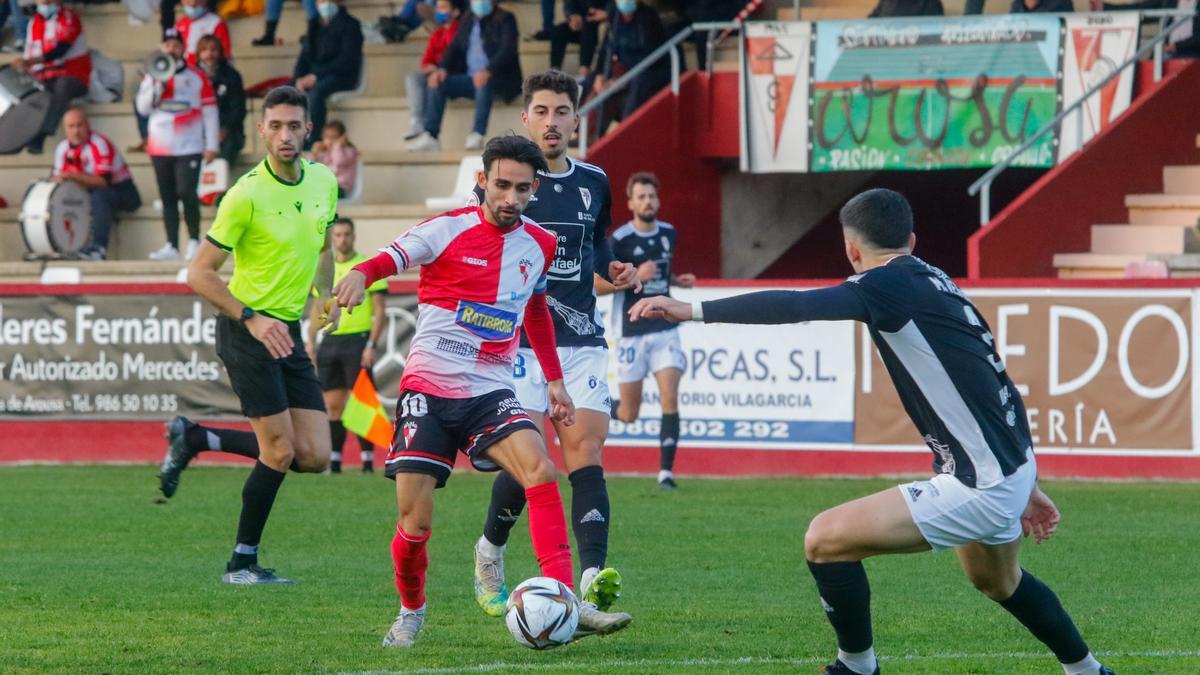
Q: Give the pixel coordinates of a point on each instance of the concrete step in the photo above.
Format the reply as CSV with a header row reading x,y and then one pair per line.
x,y
140,232
1163,209
1145,239
1093,265
389,177
1181,180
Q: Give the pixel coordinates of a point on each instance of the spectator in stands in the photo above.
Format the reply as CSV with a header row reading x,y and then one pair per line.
x,y
1184,42
908,8
184,125
331,59
197,22
416,84
14,9
231,96
710,10
632,35
166,12
411,16
335,151
1031,6
56,54
90,160
546,32
481,63
583,27
274,11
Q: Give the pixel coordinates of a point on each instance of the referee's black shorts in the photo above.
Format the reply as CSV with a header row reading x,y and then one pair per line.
x,y
339,358
266,385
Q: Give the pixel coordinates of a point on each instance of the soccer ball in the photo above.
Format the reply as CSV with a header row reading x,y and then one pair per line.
x,y
542,613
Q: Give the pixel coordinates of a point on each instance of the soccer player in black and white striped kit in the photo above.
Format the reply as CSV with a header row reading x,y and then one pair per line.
x,y
940,355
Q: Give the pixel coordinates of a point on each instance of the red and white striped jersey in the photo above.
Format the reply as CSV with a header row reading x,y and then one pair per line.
x,y
95,157
183,114
43,35
191,30
475,282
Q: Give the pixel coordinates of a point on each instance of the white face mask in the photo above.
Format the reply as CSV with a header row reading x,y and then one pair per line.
x,y
327,10
47,11
194,12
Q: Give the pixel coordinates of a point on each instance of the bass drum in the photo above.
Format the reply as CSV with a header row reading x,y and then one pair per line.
x,y
56,218
23,107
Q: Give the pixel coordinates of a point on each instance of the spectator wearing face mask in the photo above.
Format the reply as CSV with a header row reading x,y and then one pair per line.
x,y
56,54
416,84
583,26
231,96
331,59
633,33
198,22
274,12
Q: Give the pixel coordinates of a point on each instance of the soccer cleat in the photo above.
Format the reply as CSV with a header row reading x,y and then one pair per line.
x,y
253,576
490,592
1105,670
405,628
667,484
595,622
178,455
839,668
603,589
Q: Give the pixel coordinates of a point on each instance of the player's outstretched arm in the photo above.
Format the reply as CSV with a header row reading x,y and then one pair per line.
x,y
837,303
1041,516
350,290
660,307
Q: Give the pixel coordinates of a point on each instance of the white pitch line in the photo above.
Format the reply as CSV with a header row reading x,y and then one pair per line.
x,y
501,666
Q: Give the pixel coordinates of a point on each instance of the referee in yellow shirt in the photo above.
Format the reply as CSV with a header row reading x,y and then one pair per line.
x,y
348,349
275,221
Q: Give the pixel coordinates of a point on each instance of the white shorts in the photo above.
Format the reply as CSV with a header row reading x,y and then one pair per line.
x,y
585,372
640,355
949,513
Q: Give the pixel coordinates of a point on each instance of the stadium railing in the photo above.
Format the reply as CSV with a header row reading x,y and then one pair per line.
x,y
983,186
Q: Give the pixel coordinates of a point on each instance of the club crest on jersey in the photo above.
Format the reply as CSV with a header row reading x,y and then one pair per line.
x,y
489,323
410,430
586,195
525,266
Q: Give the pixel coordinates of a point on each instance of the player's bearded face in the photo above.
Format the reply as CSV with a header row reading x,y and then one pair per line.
x,y
507,186
643,202
551,119
283,130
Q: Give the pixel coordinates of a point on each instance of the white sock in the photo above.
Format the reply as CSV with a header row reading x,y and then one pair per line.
x,y
246,549
489,550
214,441
664,474
368,455
585,579
335,456
860,662
419,610
1088,665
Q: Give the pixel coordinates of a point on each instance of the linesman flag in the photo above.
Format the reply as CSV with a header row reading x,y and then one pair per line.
x,y
364,414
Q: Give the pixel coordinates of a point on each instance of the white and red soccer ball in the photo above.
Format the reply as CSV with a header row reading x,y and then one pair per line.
x,y
542,613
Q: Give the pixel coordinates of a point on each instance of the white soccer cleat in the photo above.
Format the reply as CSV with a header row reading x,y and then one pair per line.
x,y
594,622
490,592
404,630
254,576
474,141
425,143
166,253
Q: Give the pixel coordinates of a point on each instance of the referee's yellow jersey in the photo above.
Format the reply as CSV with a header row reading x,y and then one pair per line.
x,y
275,231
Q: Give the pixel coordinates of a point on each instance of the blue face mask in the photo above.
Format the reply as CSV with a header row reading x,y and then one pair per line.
x,y
441,17
481,8
626,7
327,10
47,11
195,12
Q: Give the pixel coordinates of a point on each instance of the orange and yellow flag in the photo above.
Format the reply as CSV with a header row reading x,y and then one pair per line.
x,y
364,414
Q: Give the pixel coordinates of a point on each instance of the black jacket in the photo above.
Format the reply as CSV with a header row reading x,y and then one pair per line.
x,y
332,51
908,8
499,33
581,7
231,100
1018,7
642,35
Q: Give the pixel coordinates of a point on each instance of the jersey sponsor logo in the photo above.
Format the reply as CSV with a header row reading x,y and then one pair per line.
x,y
568,252
174,106
489,323
943,452
575,320
586,195
510,403
475,261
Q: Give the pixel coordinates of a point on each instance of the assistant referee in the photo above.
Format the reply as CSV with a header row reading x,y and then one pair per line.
x,y
354,345
275,220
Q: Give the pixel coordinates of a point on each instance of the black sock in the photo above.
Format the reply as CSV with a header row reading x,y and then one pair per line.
x,y
367,453
846,595
668,441
233,441
1038,609
269,32
258,496
616,405
590,514
337,434
508,500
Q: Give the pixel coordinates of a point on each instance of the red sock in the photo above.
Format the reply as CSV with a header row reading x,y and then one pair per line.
x,y
411,560
548,530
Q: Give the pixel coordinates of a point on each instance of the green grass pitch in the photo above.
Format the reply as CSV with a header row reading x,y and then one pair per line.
x,y
94,577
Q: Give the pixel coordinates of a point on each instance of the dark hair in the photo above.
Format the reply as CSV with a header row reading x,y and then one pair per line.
x,y
554,81
285,95
460,5
212,40
342,220
340,128
882,217
640,178
516,148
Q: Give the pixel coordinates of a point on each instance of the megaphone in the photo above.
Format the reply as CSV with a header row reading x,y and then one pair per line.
x,y
159,66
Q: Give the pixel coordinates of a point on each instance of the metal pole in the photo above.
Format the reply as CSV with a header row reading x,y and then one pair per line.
x,y
1079,130
583,135
985,204
675,71
1158,62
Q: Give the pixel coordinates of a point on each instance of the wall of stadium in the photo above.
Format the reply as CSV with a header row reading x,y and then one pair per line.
x,y
1107,371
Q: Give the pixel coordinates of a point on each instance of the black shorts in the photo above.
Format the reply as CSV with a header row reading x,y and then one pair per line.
x,y
339,358
431,431
266,385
